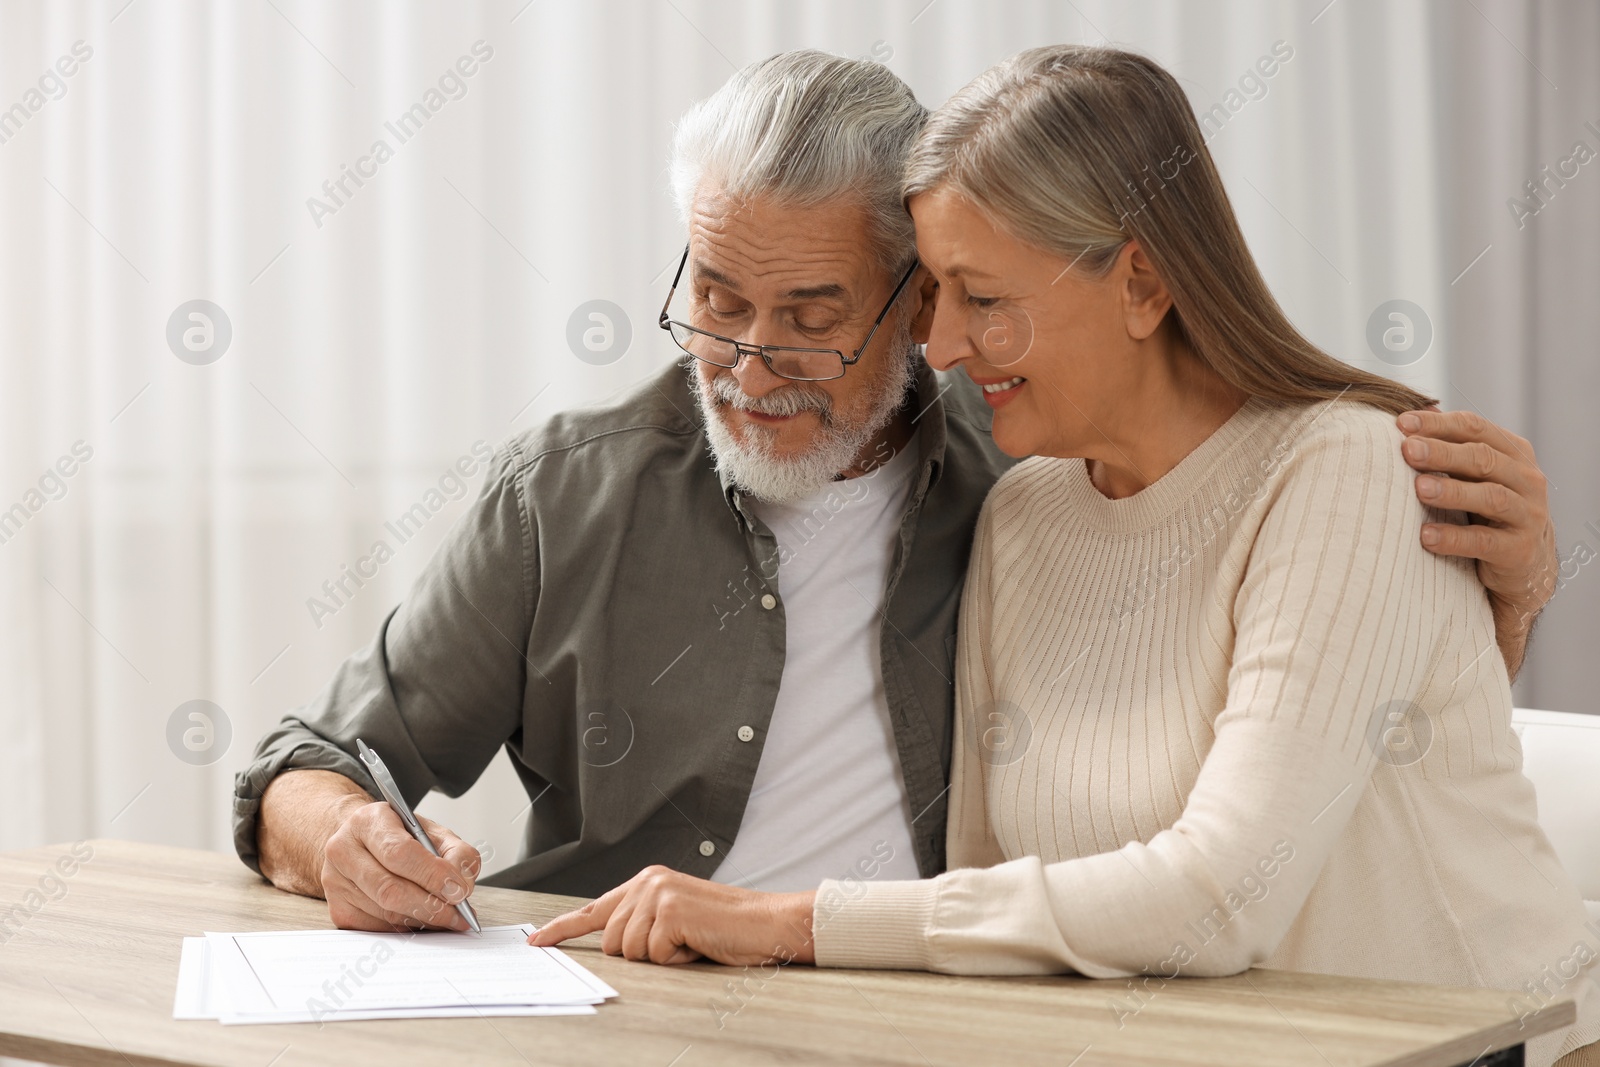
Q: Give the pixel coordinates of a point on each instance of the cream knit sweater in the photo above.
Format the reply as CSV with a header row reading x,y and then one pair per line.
x,y
1238,719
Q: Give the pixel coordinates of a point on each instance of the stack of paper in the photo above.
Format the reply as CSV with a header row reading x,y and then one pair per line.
x,y
324,975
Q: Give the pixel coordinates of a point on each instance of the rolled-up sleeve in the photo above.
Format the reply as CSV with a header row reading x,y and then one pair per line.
x,y
441,687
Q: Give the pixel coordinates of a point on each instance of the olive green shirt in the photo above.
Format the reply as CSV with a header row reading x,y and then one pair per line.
x,y
607,611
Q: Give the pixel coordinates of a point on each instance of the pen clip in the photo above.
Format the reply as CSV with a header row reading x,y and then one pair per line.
x,y
386,786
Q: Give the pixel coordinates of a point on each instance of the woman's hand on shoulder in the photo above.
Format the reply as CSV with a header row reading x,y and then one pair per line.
x,y
1470,464
666,916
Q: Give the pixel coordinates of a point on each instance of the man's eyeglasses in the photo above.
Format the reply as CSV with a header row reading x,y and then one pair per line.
x,y
798,364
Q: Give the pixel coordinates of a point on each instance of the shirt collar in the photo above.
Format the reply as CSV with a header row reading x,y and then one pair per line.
x,y
928,437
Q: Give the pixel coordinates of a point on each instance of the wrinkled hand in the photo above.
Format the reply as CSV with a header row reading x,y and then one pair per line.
x,y
1472,465
665,916
376,876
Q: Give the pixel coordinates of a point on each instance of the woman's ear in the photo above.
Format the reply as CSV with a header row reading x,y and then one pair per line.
x,y
1145,299
927,292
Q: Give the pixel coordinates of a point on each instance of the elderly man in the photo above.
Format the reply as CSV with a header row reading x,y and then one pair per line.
x,y
712,624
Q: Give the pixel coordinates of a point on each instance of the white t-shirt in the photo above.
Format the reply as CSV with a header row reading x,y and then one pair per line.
x,y
828,792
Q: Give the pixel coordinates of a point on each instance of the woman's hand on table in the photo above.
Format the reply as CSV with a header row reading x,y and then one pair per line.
x,y
665,916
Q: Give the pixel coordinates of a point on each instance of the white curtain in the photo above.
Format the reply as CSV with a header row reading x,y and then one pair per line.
x,y
1526,317
379,330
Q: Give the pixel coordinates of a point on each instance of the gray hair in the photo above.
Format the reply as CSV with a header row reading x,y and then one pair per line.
x,y
806,127
1078,149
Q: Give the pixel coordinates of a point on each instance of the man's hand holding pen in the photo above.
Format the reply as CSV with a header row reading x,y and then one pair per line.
x,y
376,876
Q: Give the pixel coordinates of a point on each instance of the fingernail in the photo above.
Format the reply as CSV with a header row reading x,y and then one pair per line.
x,y
1417,449
1428,487
1430,536
452,892
1410,423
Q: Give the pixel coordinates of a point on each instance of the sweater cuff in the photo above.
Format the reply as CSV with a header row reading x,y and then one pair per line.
x,y
875,924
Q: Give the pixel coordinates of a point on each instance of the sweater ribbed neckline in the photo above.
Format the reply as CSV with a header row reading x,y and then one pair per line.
x,y
1157,503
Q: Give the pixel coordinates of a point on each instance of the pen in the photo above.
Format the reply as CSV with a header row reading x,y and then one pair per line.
x,y
391,793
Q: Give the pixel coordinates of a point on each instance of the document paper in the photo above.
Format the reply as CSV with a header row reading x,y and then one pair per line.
x,y
325,975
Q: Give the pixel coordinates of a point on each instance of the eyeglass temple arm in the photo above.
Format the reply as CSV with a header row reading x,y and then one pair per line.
x,y
661,320
856,356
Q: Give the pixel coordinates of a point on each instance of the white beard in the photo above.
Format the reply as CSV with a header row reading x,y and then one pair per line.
x,y
754,466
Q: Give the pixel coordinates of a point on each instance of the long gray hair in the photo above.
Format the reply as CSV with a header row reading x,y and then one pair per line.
x,y
1077,150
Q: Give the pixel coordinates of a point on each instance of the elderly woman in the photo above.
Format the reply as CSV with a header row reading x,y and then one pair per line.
x,y
1220,708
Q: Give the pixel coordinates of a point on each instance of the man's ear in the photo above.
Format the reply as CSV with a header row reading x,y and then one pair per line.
x,y
1145,296
927,291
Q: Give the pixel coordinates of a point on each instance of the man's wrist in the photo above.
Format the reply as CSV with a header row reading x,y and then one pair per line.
x,y
300,812
338,812
1513,625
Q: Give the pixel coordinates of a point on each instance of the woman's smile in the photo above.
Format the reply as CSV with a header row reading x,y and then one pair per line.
x,y
998,392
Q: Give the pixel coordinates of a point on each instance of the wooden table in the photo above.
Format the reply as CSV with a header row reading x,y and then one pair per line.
x,y
89,964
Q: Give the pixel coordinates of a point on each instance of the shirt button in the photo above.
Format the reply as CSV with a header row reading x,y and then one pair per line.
x,y
745,733
707,848
769,601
